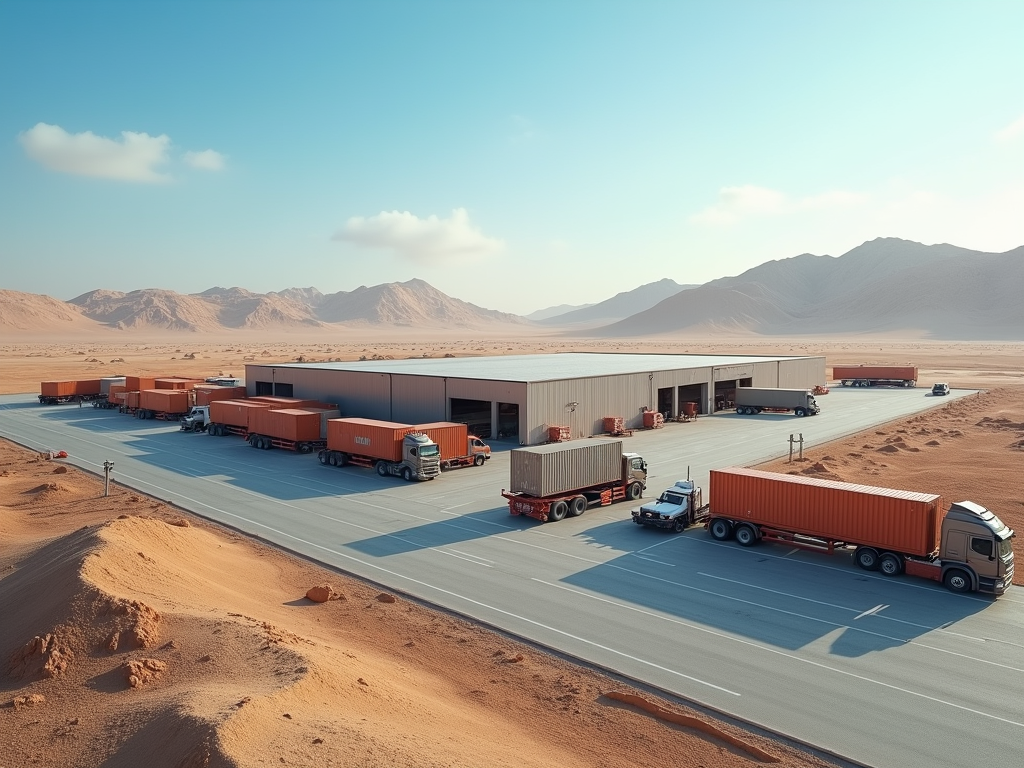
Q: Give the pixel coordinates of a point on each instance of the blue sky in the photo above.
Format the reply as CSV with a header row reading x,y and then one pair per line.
x,y
516,155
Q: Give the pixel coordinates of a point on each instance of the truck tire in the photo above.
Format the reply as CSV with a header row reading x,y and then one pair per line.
x,y
305,448
680,524
382,468
340,459
324,458
557,511
866,558
720,529
254,441
407,475
578,506
478,460
746,535
800,412
890,564
957,581
635,491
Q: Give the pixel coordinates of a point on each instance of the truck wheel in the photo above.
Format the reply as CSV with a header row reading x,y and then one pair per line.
x,y
305,448
254,441
557,511
720,529
956,580
407,475
866,558
746,535
382,468
800,412
578,506
680,525
635,491
478,460
324,458
340,459
890,564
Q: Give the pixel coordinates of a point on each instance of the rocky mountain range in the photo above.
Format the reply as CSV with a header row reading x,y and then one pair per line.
x,y
885,286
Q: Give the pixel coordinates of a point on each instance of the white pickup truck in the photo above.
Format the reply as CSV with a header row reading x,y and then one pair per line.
x,y
676,509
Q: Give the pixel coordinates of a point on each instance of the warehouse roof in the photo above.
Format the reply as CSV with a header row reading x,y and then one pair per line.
x,y
529,368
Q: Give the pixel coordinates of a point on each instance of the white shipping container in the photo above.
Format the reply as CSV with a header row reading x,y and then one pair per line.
x,y
550,470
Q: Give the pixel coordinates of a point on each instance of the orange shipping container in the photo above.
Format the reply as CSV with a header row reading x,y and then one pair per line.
x,y
136,383
292,402
176,382
88,387
452,438
896,372
286,424
131,399
235,413
206,395
165,400
367,437
902,521
57,388
114,391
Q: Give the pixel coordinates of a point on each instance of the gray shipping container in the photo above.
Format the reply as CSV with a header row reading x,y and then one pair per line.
x,y
550,470
769,397
109,381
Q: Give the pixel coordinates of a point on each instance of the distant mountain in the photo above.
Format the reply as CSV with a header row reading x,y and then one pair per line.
x,y
411,303
882,286
561,309
40,314
620,305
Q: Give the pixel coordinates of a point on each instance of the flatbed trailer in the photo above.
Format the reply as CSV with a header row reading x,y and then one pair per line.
x,y
573,504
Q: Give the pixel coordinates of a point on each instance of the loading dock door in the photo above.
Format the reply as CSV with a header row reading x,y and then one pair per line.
x,y
665,402
508,421
693,393
476,414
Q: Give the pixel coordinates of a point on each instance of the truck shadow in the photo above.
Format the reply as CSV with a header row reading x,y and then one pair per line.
x,y
470,527
785,598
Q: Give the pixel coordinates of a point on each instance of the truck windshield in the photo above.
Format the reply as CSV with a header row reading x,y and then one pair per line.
x,y
671,498
429,450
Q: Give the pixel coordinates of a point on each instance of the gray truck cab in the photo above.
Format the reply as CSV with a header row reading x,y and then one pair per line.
x,y
421,458
976,550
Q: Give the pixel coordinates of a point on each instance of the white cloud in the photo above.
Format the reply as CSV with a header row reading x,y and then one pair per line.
x,y
430,240
1011,131
133,158
207,160
736,203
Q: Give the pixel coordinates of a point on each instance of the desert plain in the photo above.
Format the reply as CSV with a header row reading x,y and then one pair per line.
x,y
134,633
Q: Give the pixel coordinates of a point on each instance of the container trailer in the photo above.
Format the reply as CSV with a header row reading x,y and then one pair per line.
x,y
875,375
56,392
225,417
164,404
752,400
293,429
548,482
387,447
891,531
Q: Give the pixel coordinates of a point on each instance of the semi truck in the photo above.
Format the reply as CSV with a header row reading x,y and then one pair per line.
x,y
890,531
875,375
549,482
752,400
387,447
458,447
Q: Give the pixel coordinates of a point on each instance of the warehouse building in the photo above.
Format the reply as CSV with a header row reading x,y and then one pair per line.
x,y
518,397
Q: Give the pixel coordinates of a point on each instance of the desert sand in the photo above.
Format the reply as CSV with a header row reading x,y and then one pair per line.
x,y
134,633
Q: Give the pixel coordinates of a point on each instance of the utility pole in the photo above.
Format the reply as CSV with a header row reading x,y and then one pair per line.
x,y
798,440
107,466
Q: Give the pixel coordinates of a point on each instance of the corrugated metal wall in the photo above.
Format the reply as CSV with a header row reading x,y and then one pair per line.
x,y
411,399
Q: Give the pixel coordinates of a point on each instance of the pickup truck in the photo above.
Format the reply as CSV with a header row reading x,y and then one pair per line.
x,y
676,509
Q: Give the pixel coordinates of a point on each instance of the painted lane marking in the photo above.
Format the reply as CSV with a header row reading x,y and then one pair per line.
x,y
472,560
786,655
871,611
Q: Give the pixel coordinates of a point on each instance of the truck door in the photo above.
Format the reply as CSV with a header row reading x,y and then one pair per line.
x,y
981,556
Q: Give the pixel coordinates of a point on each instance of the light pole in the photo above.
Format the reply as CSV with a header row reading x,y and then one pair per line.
x,y
107,466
